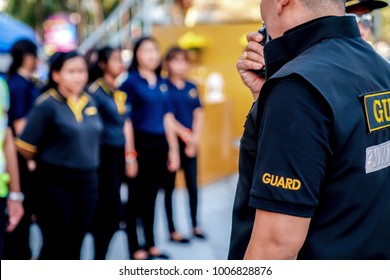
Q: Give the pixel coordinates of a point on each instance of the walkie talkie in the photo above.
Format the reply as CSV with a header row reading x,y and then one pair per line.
x,y
266,38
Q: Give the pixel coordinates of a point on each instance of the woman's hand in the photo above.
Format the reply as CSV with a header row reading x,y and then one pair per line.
x,y
131,168
173,160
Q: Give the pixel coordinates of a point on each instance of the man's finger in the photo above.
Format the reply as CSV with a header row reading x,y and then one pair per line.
x,y
254,36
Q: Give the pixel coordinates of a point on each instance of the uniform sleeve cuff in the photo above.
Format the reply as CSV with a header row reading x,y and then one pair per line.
x,y
26,146
282,207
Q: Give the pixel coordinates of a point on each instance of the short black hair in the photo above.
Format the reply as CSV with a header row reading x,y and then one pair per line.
x,y
18,50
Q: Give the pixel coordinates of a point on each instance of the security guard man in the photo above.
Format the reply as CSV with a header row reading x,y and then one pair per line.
x,y
362,10
314,160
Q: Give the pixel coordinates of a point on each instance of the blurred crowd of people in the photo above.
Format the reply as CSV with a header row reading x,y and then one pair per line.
x,y
83,134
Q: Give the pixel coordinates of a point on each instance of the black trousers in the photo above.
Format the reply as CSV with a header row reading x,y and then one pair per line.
x,y
17,242
109,211
66,212
189,166
140,209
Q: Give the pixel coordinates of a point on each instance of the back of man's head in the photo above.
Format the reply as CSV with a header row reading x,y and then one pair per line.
x,y
320,5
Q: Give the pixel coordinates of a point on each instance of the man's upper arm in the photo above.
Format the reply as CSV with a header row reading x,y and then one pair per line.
x,y
276,236
293,149
292,157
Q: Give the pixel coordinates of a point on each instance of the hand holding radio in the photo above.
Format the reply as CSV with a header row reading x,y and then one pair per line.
x,y
251,65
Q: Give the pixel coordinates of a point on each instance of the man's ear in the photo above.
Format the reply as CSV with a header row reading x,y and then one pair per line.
x,y
280,5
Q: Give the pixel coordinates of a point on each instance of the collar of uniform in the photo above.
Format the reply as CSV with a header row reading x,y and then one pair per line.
x,y
298,39
138,76
104,85
60,97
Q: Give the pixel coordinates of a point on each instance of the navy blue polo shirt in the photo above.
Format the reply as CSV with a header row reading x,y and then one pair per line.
x,y
23,93
113,110
63,133
149,103
184,102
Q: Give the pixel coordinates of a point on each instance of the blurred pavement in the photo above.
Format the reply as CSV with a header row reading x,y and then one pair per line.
x,y
214,216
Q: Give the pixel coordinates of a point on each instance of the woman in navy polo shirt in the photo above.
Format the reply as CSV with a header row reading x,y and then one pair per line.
x,y
188,112
63,135
23,93
147,95
114,112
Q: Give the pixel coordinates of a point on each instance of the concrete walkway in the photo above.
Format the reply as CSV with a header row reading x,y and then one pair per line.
x,y
214,215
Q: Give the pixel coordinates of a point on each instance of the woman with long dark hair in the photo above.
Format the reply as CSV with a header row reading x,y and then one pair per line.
x,y
150,113
62,134
114,112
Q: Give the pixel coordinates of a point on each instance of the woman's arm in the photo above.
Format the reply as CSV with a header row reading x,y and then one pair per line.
x,y
15,199
170,125
130,152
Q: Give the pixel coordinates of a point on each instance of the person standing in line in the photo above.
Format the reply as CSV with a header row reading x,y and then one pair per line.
x,y
314,168
114,112
62,134
362,10
11,198
154,140
188,112
23,93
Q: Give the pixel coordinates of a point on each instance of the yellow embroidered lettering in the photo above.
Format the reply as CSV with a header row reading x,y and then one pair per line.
x,y
378,111
289,182
296,185
386,108
266,178
274,180
281,183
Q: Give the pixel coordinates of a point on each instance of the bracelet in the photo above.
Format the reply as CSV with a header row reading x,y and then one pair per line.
x,y
16,196
131,154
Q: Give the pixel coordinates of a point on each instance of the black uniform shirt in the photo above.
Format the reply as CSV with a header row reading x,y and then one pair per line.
x,y
62,132
113,110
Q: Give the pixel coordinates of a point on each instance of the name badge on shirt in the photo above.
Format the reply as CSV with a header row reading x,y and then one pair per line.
x,y
193,93
377,110
90,111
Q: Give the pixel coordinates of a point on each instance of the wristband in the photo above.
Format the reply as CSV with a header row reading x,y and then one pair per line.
x,y
16,196
131,154
186,135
